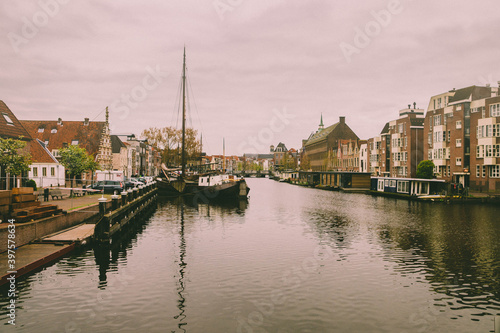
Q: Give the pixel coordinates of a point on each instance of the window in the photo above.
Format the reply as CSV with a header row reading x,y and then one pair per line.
x,y
480,151
55,152
483,115
458,161
437,120
478,171
400,128
458,142
52,171
484,171
35,172
7,119
429,138
44,171
458,124
495,171
495,110
393,183
46,143
41,129
54,130
74,142
380,185
449,136
403,186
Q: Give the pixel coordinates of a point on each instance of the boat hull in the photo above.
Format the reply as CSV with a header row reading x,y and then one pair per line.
x,y
227,191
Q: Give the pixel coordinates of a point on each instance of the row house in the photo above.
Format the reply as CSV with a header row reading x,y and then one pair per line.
x,y
283,158
45,169
398,150
459,127
220,162
94,136
322,146
346,157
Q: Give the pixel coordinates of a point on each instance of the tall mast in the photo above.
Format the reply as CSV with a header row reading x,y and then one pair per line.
x,y
183,154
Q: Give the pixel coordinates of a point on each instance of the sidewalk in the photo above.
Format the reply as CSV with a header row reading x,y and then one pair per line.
x,y
69,204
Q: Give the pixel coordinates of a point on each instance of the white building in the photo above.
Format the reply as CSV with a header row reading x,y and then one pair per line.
x,y
45,170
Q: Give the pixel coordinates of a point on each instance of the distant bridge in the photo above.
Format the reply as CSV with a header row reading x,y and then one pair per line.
x,y
253,173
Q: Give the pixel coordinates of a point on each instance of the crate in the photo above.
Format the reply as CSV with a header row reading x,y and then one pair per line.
x,y
22,190
24,197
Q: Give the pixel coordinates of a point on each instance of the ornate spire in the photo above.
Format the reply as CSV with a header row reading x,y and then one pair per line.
x,y
321,126
107,115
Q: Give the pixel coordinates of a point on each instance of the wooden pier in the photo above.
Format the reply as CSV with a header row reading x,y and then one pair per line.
x,y
47,249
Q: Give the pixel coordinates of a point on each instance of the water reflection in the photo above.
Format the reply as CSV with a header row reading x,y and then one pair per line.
x,y
455,249
181,287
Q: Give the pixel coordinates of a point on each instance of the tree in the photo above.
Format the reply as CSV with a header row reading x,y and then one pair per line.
x,y
92,166
425,169
305,163
167,139
12,159
75,160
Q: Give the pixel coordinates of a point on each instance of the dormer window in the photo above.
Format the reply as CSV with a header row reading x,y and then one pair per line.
x,y
41,129
54,130
46,142
74,142
7,119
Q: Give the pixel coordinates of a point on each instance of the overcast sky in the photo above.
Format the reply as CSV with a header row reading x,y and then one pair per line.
x,y
260,72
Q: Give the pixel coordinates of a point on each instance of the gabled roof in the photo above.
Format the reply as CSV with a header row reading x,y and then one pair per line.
x,y
13,128
469,94
88,136
40,153
320,135
116,144
385,130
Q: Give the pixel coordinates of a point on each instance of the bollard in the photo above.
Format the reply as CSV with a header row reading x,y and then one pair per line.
x,y
115,204
102,205
130,195
124,198
497,324
141,190
136,192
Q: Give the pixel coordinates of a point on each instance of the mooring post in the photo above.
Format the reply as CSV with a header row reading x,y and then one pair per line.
x,y
102,205
141,190
124,198
130,195
497,324
136,192
114,202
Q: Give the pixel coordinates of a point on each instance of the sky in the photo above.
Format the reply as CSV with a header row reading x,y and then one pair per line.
x,y
260,72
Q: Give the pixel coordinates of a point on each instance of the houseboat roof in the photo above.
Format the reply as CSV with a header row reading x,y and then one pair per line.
x,y
412,179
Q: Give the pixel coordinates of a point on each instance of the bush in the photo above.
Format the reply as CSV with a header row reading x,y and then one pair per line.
x,y
425,169
31,183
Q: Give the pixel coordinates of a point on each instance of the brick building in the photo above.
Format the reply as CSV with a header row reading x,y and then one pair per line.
x,y
321,147
451,133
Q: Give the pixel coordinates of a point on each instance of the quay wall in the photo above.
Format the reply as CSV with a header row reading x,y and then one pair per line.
x,y
30,231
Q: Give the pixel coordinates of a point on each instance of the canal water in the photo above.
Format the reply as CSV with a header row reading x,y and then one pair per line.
x,y
293,259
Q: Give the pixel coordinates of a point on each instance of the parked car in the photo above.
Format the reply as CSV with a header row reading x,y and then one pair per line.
x,y
108,186
131,183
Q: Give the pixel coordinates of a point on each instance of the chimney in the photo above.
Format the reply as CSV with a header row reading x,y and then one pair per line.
x,y
342,120
59,121
86,122
409,106
498,84
414,105
487,85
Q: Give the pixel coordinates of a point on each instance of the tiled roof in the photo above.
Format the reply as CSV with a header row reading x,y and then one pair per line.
x,y
14,129
40,154
385,129
88,136
321,135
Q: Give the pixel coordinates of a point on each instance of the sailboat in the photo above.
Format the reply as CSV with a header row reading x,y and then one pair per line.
x,y
209,187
